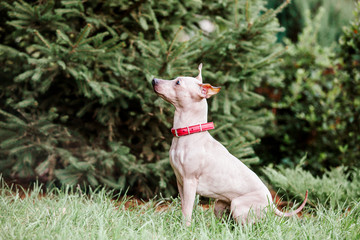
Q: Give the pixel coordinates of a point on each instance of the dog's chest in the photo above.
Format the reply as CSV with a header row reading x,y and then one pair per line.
x,y
184,159
177,159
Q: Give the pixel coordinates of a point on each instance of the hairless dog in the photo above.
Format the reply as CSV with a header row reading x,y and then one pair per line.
x,y
204,166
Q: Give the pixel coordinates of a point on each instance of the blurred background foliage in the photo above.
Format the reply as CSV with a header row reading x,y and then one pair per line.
x,y
294,18
317,107
77,106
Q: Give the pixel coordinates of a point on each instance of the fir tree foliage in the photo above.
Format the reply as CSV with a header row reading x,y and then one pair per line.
x,y
76,100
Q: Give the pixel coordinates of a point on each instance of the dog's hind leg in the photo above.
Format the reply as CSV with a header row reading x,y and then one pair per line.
x,y
220,208
249,208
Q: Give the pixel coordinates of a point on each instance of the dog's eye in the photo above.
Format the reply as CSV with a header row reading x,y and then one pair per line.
x,y
178,82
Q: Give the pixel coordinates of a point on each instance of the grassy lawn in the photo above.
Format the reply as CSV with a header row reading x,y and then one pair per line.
x,y
65,214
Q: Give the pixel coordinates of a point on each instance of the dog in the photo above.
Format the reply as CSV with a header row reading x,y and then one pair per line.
x,y
204,166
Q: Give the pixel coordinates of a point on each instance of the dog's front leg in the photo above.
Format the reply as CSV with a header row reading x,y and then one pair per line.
x,y
187,201
180,188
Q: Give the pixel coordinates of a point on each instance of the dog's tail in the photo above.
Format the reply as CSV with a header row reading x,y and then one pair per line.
x,y
289,214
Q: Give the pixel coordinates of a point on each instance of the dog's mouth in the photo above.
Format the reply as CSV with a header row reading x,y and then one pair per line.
x,y
156,90
163,96
156,87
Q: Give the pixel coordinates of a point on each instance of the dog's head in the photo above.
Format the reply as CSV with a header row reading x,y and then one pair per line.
x,y
184,90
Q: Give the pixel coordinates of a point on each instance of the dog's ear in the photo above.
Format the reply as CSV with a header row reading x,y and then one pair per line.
x,y
199,77
207,90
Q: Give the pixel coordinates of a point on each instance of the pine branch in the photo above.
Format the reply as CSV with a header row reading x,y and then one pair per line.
x,y
42,38
172,42
84,33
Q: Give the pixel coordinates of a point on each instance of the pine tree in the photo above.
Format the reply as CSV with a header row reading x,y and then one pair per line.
x,y
76,99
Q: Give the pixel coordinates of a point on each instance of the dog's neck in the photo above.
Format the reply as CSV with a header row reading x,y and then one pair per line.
x,y
191,115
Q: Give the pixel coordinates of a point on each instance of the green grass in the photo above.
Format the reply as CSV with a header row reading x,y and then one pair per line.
x,y
70,214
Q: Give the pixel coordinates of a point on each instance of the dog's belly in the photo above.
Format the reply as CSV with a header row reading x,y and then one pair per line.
x,y
224,189
213,193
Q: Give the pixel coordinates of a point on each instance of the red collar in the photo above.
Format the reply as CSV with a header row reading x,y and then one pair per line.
x,y
192,129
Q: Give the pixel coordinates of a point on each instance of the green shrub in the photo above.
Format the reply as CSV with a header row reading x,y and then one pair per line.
x,y
336,188
318,109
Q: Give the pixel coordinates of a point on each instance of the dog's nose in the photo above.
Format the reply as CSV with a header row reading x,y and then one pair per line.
x,y
154,81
